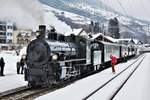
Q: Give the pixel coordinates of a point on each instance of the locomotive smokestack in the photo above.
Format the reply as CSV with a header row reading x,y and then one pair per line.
x,y
42,32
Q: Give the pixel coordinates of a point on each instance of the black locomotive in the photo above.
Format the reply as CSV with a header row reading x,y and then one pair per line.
x,y
62,57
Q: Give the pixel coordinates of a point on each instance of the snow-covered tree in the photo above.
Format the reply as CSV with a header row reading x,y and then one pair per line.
x,y
113,28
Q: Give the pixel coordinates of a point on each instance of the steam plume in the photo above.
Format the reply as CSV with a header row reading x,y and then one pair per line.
x,y
25,13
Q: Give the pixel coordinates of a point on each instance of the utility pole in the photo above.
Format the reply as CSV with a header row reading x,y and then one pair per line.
x,y
103,31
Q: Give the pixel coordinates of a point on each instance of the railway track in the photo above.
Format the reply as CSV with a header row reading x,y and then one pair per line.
x,y
109,81
121,86
26,93
20,93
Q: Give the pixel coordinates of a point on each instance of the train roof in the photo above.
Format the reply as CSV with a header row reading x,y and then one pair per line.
x,y
108,43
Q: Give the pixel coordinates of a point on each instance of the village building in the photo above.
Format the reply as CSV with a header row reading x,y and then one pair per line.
x,y
22,37
6,35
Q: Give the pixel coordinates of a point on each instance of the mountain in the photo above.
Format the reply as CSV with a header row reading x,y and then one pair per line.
x,y
99,12
84,8
136,8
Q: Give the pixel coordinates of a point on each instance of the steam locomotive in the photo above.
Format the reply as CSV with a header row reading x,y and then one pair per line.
x,y
62,57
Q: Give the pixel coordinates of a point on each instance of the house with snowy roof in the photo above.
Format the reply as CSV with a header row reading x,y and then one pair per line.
x,y
101,37
128,41
22,37
80,32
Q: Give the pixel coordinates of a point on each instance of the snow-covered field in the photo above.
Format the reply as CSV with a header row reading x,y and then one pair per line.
x,y
138,86
11,79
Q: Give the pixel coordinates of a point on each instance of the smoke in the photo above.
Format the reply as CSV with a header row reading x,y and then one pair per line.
x,y
25,13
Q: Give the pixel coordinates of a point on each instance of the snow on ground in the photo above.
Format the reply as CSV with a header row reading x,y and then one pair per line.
x,y
107,92
138,86
82,88
11,79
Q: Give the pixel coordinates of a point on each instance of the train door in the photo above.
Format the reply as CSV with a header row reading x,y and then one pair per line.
x,y
97,55
88,53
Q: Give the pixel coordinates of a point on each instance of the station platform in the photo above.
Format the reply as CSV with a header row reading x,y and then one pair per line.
x,y
136,88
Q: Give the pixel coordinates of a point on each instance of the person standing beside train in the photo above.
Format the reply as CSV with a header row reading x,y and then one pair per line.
x,y
125,57
22,63
2,64
18,67
113,63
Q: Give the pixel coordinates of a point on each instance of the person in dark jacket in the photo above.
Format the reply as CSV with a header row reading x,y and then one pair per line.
x,y
22,63
18,67
125,57
2,64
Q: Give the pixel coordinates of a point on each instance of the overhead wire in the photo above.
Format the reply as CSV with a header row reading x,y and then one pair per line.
x,y
147,12
120,4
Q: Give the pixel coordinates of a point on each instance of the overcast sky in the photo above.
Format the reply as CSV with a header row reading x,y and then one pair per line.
x,y
136,8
